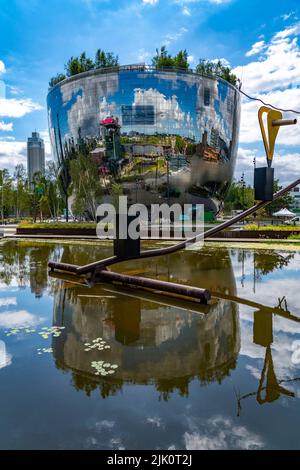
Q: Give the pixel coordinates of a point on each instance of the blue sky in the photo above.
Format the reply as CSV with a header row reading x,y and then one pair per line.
x,y
258,38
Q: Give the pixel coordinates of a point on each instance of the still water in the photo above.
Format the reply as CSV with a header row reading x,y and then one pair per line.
x,y
161,374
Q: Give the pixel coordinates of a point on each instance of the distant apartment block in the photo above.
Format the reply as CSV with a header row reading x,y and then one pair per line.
x,y
35,156
295,195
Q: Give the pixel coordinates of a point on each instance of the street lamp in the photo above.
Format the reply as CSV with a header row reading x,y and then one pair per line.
x,y
243,187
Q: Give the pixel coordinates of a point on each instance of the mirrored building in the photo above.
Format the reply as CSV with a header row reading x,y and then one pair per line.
x,y
161,134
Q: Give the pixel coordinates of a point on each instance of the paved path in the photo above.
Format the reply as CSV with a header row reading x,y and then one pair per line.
x,y
12,234
8,230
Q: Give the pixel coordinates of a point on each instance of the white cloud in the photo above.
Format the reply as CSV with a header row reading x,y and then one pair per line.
x,y
220,433
2,67
286,165
150,2
219,2
223,61
14,90
7,137
186,11
155,421
216,2
279,66
250,130
5,301
17,108
104,425
143,55
6,127
274,78
12,153
287,15
256,48
18,318
291,30
172,37
167,108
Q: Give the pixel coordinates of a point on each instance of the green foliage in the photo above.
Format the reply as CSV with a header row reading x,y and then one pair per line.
x,y
179,144
82,63
280,228
85,186
105,59
164,59
57,79
79,64
20,199
210,68
238,197
283,202
294,237
181,60
116,191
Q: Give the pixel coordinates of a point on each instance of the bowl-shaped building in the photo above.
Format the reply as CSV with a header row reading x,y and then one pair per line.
x,y
162,134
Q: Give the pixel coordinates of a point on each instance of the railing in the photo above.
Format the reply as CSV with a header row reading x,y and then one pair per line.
x,y
140,67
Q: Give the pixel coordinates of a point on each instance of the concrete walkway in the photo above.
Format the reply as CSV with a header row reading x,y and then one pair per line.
x,y
8,230
12,235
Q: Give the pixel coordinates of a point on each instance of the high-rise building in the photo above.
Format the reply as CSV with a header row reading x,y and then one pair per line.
x,y
295,202
35,156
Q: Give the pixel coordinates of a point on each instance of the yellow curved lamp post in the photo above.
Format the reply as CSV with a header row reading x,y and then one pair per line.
x,y
274,122
264,177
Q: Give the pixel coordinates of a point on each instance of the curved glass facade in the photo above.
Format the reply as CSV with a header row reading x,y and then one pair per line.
x,y
161,134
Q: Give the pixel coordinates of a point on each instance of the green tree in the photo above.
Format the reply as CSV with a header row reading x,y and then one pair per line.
x,y
239,197
216,68
57,79
116,192
282,203
86,63
85,185
73,66
162,58
105,59
6,196
181,60
21,193
55,201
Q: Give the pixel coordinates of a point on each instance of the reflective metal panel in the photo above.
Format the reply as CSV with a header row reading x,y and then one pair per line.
x,y
161,134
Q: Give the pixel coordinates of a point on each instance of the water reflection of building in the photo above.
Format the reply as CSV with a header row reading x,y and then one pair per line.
x,y
137,111
5,358
152,343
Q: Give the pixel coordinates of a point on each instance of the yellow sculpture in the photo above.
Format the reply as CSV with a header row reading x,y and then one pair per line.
x,y
274,121
269,140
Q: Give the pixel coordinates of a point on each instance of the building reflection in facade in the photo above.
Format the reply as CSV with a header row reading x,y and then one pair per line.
x,y
160,134
152,343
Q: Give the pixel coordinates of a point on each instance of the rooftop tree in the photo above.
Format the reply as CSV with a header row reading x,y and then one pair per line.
x,y
57,79
164,59
82,63
216,68
105,59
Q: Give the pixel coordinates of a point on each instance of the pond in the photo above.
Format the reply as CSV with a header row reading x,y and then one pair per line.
x,y
105,367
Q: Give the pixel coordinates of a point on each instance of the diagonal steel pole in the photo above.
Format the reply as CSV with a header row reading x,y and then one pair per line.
x,y
102,264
